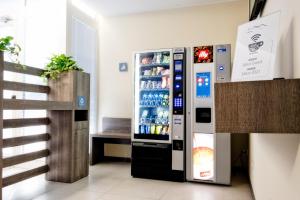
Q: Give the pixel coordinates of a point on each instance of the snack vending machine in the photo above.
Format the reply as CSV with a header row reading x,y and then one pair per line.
x,y
208,156
158,125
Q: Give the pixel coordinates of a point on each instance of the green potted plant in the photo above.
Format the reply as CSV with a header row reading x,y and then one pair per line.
x,y
59,64
66,78
13,49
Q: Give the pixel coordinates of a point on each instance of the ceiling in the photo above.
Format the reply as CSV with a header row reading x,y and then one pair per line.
x,y
124,7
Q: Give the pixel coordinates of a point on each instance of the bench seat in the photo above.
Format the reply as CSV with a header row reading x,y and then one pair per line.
x,y
99,139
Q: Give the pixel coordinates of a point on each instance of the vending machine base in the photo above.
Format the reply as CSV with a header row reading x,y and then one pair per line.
x,y
150,160
153,161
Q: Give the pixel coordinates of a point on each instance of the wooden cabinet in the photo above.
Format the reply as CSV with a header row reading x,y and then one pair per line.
x,y
69,139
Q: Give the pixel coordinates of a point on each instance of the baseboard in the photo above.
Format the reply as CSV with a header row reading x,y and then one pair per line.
x,y
241,170
116,159
251,189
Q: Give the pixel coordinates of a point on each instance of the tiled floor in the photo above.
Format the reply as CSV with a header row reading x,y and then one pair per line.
x,y
112,181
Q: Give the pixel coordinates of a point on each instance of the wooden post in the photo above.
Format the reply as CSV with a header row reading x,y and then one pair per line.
x,y
69,130
1,118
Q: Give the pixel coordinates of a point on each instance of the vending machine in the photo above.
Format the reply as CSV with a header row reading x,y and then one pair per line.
x,y
208,154
158,147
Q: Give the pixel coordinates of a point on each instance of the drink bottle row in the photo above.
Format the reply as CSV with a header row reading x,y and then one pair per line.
x,y
154,129
156,115
156,85
155,99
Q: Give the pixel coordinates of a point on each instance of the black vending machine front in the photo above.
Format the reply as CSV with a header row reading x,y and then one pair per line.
x,y
158,153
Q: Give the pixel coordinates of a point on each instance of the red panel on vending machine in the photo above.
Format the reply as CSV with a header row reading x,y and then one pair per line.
x,y
203,54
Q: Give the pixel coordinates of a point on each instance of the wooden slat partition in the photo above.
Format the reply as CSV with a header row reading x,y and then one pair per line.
x,y
15,160
12,67
24,175
26,87
62,106
1,119
17,123
18,141
18,104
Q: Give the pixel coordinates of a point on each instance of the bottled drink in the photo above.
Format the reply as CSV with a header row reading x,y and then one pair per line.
x,y
147,129
152,128
142,129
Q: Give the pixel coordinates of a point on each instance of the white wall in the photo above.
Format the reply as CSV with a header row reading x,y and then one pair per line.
x,y
121,36
275,159
45,30
82,44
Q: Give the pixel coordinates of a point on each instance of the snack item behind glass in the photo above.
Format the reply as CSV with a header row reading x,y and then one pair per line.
x,y
149,85
146,60
165,72
166,59
164,82
147,72
168,82
159,70
154,84
144,116
143,84
159,85
154,71
158,57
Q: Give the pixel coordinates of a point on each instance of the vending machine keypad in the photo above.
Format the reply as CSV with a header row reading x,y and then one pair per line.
x,y
178,88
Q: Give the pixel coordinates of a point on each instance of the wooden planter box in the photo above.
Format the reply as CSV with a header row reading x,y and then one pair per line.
x,y
69,139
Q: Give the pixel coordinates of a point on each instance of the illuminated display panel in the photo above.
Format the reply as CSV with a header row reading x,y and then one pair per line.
x,y
178,65
203,156
203,54
203,84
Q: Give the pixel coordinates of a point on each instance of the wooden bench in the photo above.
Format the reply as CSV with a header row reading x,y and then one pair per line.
x,y
115,131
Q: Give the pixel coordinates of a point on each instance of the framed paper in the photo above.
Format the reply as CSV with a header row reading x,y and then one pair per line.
x,y
256,49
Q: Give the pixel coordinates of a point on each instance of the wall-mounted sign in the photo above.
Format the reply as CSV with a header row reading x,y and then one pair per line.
x,y
256,48
123,67
81,101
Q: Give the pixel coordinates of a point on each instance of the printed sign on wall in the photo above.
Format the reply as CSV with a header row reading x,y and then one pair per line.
x,y
81,101
256,50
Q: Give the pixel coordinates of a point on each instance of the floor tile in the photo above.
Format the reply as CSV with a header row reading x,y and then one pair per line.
x,y
112,181
141,188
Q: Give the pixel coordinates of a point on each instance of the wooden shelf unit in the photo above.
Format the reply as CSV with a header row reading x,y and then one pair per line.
x,y
258,106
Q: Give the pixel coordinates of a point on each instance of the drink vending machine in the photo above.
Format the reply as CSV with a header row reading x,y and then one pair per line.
x,y
208,156
158,147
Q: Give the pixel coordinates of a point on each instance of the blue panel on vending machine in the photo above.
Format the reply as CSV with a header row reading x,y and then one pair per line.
x,y
203,84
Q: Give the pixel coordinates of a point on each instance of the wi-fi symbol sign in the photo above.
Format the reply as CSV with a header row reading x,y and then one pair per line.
x,y
255,37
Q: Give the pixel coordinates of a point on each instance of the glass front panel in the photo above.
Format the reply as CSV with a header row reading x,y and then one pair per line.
x,y
152,95
203,156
